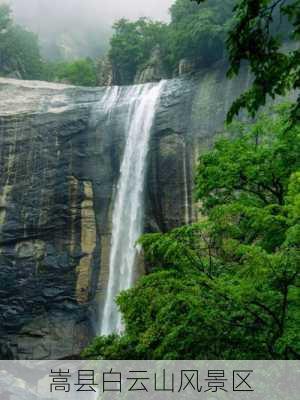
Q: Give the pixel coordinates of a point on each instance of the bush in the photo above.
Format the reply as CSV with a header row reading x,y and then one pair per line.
x,y
79,72
19,49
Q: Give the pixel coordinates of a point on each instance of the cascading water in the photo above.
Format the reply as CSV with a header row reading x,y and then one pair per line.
x,y
127,220
186,189
105,105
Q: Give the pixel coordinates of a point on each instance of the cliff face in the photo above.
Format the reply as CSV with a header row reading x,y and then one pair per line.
x,y
60,161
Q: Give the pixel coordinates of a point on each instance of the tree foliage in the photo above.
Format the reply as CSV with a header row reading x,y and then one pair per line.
x,y
19,49
198,32
20,57
195,33
131,46
78,72
257,36
5,19
275,71
227,286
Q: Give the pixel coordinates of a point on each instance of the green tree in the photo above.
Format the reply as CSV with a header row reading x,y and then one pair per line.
x,y
182,10
228,286
78,72
5,19
19,49
255,38
131,46
195,33
198,32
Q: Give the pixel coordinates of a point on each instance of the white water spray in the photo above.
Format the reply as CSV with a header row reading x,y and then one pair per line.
x,y
105,105
186,189
127,221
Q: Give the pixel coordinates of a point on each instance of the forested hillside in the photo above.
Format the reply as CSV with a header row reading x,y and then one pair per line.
x,y
20,57
19,49
139,51
196,34
195,38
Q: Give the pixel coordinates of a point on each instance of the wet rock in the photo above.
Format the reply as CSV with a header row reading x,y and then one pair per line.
x,y
60,163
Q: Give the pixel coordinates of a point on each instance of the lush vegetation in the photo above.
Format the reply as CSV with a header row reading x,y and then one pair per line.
x,y
20,57
227,286
132,44
196,33
257,36
203,33
19,49
79,72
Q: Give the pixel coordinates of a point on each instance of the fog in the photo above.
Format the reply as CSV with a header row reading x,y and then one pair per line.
x,y
74,28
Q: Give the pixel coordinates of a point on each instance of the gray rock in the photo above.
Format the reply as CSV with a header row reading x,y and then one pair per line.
x,y
154,69
60,162
185,67
105,74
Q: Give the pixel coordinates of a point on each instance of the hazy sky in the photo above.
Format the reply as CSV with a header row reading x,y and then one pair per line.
x,y
58,12
82,18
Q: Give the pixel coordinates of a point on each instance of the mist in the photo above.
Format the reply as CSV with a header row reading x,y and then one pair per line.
x,y
79,28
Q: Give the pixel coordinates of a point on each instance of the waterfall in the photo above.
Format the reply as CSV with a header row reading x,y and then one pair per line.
x,y
186,189
105,105
127,220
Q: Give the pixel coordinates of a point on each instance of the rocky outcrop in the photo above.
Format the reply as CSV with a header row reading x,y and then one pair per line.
x,y
60,162
154,69
186,67
105,72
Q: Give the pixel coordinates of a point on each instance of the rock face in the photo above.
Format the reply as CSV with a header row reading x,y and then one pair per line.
x,y
154,70
185,67
105,72
60,162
